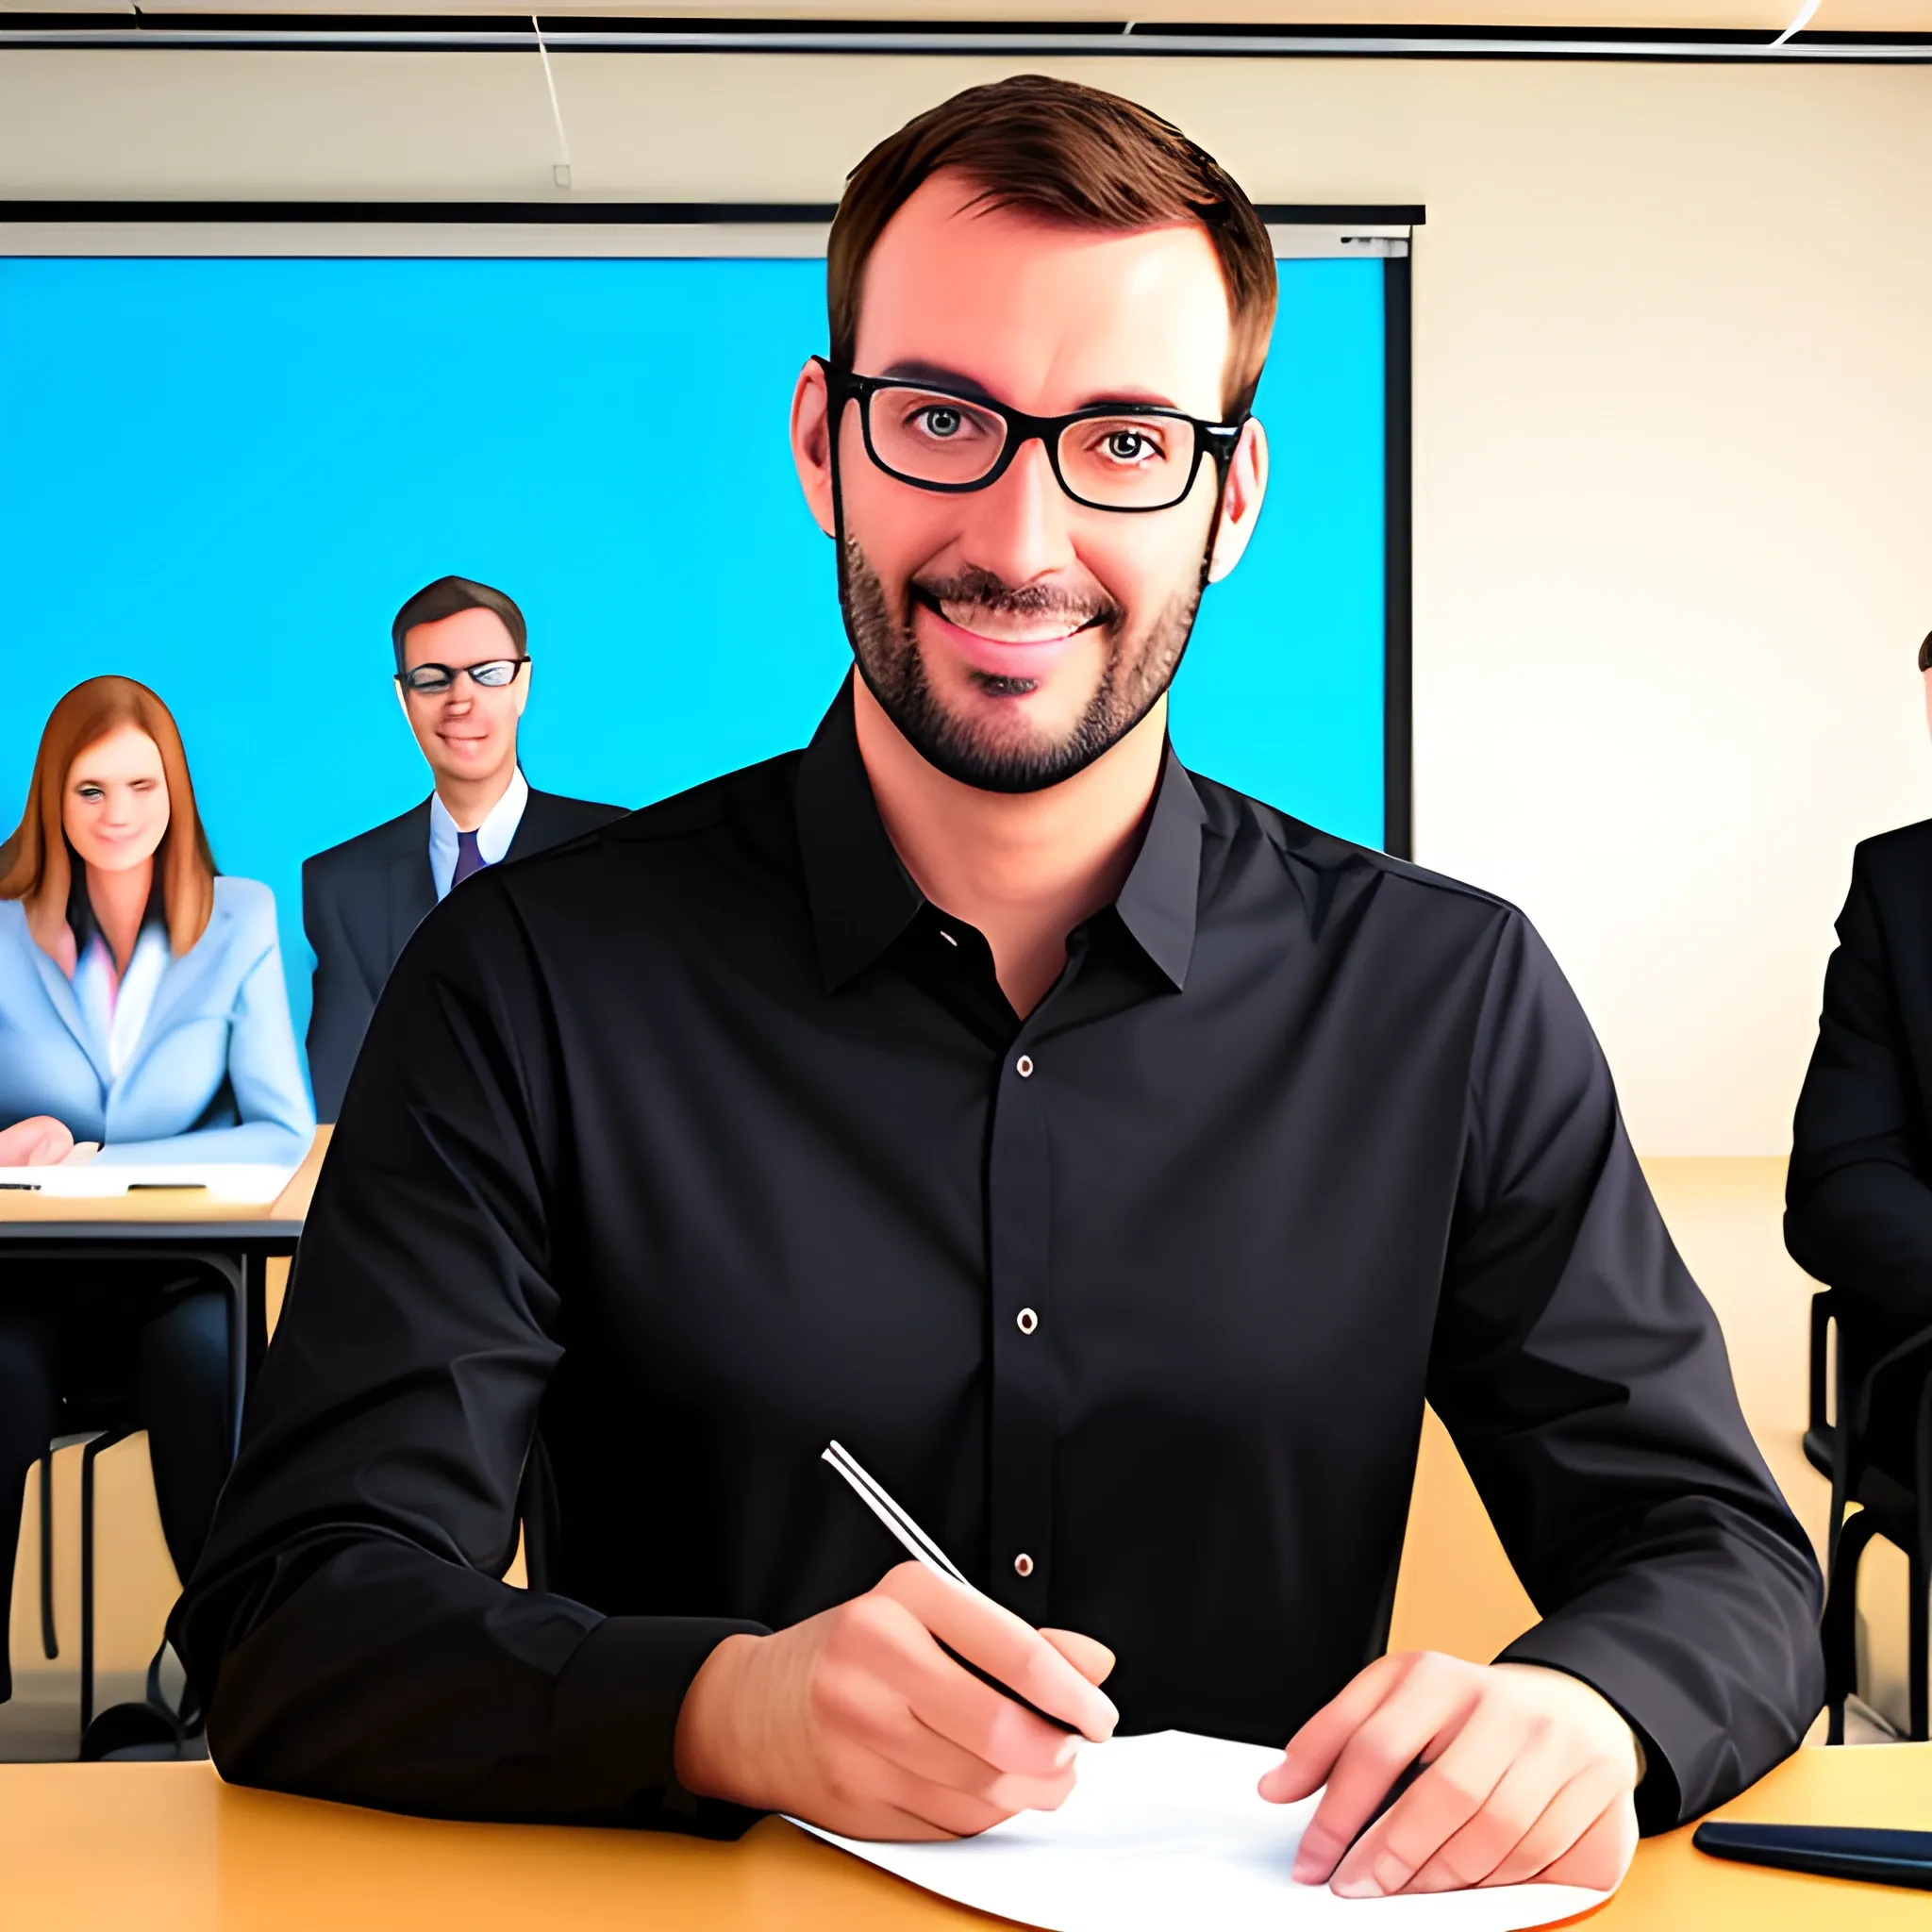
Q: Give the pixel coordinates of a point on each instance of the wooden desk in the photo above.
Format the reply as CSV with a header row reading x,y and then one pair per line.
x,y
170,1848
171,1212
239,1238
247,1246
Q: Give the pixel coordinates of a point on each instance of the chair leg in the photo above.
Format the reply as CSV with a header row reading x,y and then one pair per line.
x,y
1840,1630
238,1357
50,1639
86,1571
1921,1625
1921,1558
1842,1475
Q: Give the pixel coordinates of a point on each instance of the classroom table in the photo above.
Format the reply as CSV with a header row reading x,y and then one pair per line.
x,y
170,1848
166,1209
237,1239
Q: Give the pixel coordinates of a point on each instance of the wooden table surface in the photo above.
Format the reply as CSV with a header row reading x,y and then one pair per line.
x,y
291,1204
170,1848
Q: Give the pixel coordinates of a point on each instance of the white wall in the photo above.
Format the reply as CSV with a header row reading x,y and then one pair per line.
x,y
1674,443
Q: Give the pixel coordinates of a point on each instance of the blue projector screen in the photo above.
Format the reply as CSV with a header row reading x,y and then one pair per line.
x,y
223,475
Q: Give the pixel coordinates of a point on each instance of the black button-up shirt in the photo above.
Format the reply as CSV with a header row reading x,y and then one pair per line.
x,y
691,1145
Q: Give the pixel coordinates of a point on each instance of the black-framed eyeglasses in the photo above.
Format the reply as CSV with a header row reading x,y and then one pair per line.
x,y
1130,459
432,681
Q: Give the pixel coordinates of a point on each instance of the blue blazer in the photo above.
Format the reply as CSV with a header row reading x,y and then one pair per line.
x,y
214,1076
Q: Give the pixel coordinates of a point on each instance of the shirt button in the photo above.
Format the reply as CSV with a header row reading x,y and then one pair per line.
x,y
1027,1320
1022,1564
1024,1066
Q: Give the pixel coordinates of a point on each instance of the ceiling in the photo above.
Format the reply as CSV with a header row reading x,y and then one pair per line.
x,y
1877,17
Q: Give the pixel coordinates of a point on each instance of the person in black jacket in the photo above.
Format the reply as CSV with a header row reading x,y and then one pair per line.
x,y
1859,1201
463,677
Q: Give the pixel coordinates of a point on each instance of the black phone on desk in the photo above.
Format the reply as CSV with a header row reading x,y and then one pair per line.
x,y
1827,1850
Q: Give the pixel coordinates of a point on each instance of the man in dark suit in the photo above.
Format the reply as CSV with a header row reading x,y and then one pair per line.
x,y
463,678
1859,1200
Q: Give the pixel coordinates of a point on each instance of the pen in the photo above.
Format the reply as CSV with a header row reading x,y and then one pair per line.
x,y
917,1544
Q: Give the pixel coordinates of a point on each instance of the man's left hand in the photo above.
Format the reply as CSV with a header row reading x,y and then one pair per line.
x,y
1530,1774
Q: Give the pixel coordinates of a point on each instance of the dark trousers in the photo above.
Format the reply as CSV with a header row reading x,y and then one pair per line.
x,y
75,1353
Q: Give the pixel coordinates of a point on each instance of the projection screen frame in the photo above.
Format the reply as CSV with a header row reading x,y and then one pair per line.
x,y
597,229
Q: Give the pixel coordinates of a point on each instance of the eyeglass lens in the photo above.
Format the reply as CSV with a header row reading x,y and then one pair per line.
x,y
1119,462
434,678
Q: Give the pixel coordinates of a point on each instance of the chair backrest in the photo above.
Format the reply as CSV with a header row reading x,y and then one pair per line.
x,y
1881,1380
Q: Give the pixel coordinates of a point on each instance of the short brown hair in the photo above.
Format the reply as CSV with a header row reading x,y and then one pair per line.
x,y
444,598
1925,653
36,865
1068,154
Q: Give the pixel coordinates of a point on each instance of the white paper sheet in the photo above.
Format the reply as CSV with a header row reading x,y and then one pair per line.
x,y
1168,1830
97,1180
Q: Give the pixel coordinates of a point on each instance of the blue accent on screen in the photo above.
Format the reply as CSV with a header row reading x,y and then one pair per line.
x,y
222,476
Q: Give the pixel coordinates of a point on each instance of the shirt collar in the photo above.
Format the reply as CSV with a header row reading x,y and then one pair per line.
x,y
116,1006
493,836
862,897
1162,895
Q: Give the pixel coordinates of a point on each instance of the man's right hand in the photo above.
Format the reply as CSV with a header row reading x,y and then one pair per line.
x,y
37,1142
856,1719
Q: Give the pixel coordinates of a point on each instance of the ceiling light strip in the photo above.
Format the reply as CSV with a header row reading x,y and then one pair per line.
x,y
1141,43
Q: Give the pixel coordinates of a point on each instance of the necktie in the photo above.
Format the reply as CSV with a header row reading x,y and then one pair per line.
x,y
468,858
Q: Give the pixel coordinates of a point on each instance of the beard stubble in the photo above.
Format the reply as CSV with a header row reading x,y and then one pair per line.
x,y
1136,670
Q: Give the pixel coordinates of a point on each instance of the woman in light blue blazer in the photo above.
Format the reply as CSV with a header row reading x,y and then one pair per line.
x,y
142,1007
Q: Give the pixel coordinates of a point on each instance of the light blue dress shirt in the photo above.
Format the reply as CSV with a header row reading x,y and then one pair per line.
x,y
213,1074
116,1006
492,835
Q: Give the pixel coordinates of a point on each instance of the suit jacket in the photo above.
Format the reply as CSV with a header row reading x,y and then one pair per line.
x,y
214,1075
363,898
1859,1200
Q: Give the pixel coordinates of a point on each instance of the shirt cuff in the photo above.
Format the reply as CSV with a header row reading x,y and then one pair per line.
x,y
1640,1694
614,1724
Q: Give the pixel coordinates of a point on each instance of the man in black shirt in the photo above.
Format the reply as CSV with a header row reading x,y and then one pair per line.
x,y
1115,1165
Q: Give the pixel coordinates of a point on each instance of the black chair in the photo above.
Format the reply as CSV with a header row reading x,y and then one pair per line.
x,y
150,1730
99,1420
109,1431
1877,1451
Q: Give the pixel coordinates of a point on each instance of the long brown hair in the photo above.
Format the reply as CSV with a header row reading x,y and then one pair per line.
x,y
1071,154
36,863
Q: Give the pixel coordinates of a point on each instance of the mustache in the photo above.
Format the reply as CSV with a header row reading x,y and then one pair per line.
x,y
980,590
